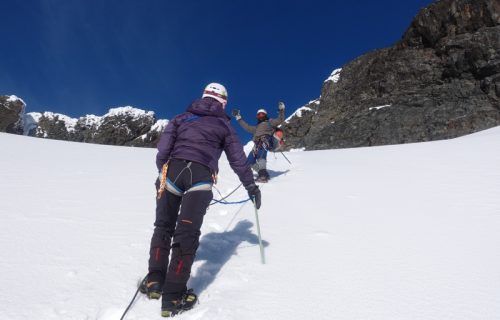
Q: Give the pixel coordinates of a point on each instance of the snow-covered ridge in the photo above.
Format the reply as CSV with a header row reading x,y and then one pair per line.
x,y
298,112
335,76
69,122
32,119
91,120
130,111
13,98
119,126
160,125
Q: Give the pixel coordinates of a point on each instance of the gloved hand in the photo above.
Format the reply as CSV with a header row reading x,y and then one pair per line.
x,y
281,106
236,114
254,194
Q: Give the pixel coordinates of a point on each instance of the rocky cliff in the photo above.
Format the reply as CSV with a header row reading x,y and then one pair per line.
x,y
441,80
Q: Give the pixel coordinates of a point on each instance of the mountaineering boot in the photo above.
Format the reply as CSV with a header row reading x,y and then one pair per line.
x,y
152,285
170,308
263,176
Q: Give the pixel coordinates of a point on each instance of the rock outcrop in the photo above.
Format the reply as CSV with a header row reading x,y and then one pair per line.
x,y
441,80
11,114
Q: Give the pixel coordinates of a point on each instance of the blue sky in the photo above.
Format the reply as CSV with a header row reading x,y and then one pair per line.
x,y
80,57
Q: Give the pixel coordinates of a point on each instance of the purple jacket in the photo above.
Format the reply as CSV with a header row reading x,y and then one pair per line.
x,y
200,135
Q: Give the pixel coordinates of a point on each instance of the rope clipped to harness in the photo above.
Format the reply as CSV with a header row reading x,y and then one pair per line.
x,y
163,181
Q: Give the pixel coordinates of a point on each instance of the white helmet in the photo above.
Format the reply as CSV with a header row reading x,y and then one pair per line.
x,y
261,111
216,91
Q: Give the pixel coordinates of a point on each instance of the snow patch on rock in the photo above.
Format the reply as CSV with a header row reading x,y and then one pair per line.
x,y
91,120
160,125
298,112
380,107
69,123
30,121
128,110
335,76
13,98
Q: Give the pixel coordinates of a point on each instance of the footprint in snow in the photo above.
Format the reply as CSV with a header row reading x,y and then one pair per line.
x,y
321,234
223,213
196,314
109,314
61,311
71,274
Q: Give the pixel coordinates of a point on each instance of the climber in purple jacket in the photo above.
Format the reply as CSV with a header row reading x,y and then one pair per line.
x,y
188,155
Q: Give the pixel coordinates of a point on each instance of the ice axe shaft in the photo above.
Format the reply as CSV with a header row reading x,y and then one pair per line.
x,y
285,157
262,256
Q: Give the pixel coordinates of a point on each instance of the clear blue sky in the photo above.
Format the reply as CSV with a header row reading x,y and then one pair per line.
x,y
80,57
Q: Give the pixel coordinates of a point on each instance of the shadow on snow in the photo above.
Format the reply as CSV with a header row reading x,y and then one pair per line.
x,y
274,174
216,249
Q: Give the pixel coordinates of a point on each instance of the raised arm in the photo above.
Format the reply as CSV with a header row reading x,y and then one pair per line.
x,y
281,115
248,128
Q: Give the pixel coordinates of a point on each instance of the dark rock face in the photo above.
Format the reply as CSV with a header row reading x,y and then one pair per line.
x,y
299,125
448,18
125,126
121,128
442,80
53,126
151,137
11,114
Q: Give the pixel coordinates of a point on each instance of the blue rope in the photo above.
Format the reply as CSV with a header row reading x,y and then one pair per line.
x,y
222,199
229,202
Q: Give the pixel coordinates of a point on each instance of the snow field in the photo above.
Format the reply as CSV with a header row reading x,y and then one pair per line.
x,y
395,232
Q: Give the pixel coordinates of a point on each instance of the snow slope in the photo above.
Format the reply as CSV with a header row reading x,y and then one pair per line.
x,y
395,232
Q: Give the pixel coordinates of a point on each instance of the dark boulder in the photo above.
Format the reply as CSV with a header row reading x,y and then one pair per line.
x,y
11,114
121,126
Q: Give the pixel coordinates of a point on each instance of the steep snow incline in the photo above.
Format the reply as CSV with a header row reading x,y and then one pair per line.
x,y
396,232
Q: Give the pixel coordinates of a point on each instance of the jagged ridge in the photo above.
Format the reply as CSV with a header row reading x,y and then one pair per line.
x,y
127,126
